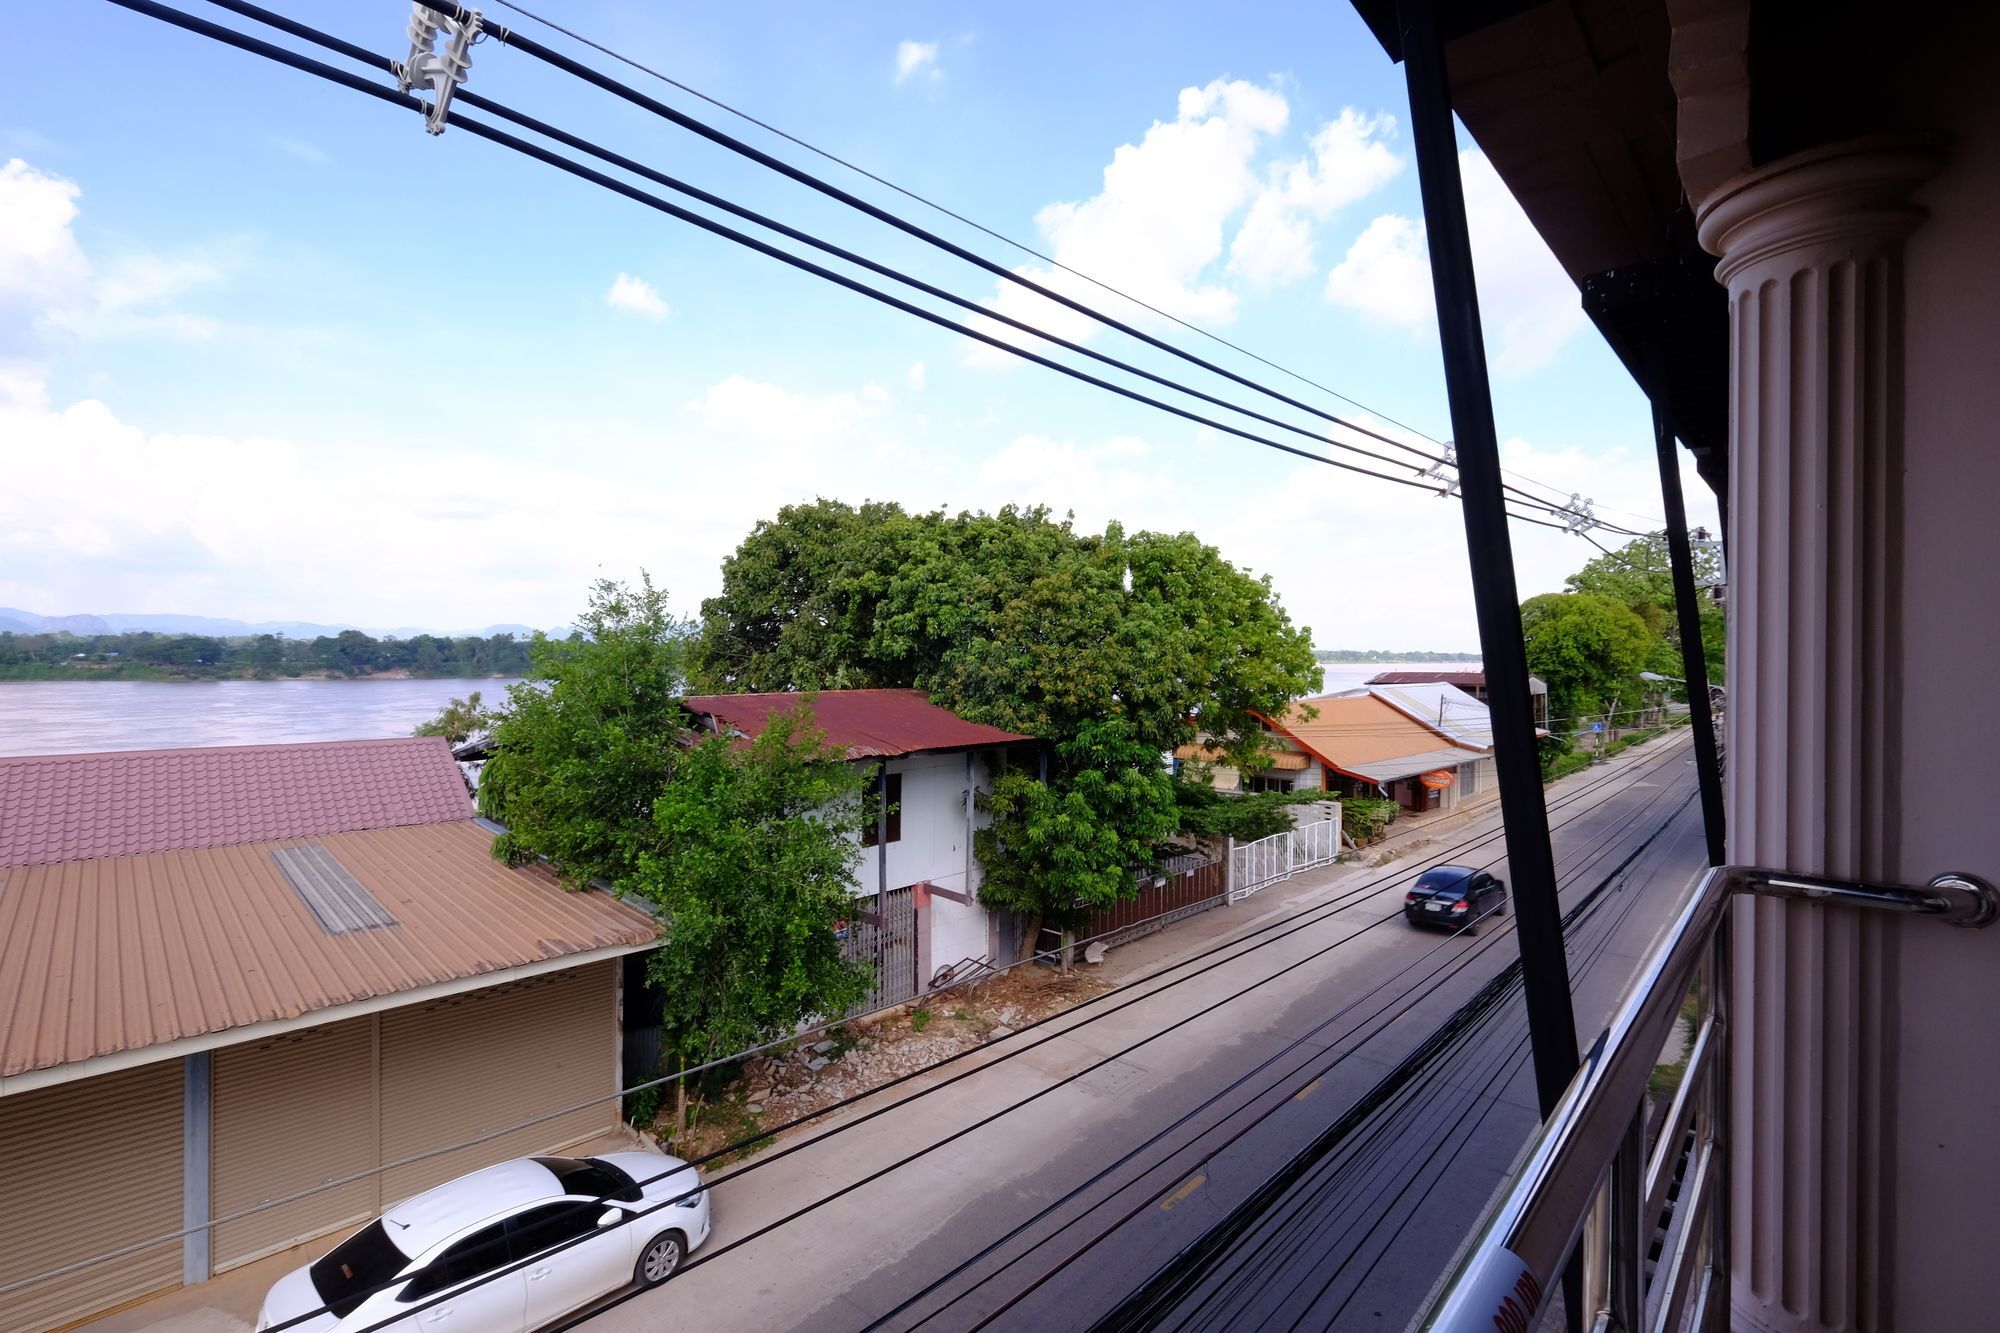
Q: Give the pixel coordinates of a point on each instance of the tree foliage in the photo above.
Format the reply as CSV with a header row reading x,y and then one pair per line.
x,y
1113,648
148,655
1012,618
751,865
590,739
1204,812
1588,647
460,720
1058,850
1639,574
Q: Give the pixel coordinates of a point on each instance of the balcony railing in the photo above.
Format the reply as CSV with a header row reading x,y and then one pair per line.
x,y
1644,1189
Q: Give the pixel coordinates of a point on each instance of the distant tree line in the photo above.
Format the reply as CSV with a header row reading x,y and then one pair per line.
x,y
145,655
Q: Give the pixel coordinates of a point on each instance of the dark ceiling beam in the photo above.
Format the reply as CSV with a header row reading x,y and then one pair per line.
x,y
1456,18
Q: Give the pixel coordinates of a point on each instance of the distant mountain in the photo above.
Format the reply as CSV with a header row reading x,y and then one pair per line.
x,y
1389,655
159,622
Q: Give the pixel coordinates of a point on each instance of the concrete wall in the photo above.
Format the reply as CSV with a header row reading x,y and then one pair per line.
x,y
933,844
1945,1168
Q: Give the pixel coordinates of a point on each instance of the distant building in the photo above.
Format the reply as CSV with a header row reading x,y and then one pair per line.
x,y
1357,744
1472,682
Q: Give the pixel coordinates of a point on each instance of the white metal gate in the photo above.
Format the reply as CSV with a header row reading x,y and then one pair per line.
x,y
1259,864
888,945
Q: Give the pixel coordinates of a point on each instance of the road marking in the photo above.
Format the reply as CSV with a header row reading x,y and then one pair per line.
x,y
1196,1182
1306,1091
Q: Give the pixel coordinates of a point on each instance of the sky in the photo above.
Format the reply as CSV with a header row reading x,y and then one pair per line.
x,y
270,351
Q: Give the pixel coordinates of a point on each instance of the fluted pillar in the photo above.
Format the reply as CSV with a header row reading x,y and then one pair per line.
x,y
1810,251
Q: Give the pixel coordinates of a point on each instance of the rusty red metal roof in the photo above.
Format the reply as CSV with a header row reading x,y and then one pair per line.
x,y
80,806
126,952
868,724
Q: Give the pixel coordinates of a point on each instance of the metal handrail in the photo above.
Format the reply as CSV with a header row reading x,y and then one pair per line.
x,y
1589,1160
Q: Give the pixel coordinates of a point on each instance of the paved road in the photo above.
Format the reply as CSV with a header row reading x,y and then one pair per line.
x,y
1308,1002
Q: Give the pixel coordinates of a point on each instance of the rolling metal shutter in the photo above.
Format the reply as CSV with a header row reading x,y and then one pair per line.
x,y
291,1113
478,1062
90,1166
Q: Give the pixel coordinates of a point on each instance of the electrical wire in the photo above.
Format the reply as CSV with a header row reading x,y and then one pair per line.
x,y
1587,856
528,46
1010,241
1314,915
319,69
882,1171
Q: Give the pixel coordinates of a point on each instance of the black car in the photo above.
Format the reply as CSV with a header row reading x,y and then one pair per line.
x,y
1454,897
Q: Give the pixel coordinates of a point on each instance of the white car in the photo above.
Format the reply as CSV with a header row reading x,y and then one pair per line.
x,y
478,1254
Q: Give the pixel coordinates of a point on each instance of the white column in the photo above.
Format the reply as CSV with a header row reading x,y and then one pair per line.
x,y
1811,254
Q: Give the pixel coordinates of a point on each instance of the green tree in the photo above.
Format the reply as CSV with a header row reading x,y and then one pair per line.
x,y
1640,575
1589,648
1058,850
591,737
461,720
751,867
1018,620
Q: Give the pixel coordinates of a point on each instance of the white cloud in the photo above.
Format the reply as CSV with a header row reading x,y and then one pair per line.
x,y
753,410
914,58
1120,478
917,378
1349,160
1386,274
637,295
1528,305
1158,224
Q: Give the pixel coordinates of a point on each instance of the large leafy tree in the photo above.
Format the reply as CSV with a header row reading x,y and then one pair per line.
x,y
1589,648
1057,850
590,739
1012,618
752,866
1640,575
1113,647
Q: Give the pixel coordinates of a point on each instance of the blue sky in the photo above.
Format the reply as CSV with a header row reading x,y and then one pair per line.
x,y
268,350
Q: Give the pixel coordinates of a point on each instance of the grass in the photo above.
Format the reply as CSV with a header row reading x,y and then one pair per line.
x,y
919,1019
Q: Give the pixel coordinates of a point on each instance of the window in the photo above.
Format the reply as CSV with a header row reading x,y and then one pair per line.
x,y
1261,783
871,808
480,1253
355,1269
550,1225
588,1175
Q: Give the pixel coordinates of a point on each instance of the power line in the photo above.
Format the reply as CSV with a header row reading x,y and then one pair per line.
x,y
1314,915
880,1172
528,46
1581,909
321,70
1004,239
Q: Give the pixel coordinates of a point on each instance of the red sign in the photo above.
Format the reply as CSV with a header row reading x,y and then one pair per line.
x,y
1437,779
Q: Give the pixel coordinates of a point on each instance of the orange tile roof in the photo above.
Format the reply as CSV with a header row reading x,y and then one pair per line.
x,y
120,953
69,807
1359,731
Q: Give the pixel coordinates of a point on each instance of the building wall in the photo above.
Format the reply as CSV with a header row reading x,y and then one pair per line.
x,y
933,842
1945,1169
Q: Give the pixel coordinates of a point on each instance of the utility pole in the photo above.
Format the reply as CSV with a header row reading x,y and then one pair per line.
x,y
1537,909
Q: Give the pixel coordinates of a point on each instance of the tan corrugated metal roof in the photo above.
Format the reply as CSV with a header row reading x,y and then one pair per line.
x,y
122,953
69,807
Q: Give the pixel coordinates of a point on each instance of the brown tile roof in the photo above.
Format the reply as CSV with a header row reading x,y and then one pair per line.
x,y
1358,734
77,806
869,724
122,953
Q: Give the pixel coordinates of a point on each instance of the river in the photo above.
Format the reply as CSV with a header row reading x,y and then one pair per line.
x,y
67,717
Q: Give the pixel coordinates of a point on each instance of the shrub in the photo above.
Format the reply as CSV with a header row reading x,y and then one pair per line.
x,y
1363,818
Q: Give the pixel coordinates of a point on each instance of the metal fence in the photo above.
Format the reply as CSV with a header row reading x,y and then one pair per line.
x,y
1200,885
888,944
1648,1196
1260,864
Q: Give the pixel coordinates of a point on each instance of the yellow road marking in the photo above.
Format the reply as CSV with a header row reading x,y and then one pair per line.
x,y
1305,1092
1195,1183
